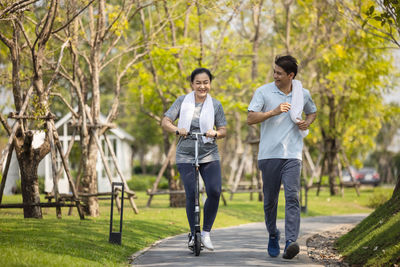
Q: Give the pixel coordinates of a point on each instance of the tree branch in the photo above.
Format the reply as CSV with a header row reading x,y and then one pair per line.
x,y
114,108
66,103
200,59
73,17
57,70
5,124
16,6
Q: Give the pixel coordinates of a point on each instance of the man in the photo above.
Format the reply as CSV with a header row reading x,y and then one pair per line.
x,y
280,149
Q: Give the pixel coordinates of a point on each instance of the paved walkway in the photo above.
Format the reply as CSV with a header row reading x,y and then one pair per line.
x,y
244,245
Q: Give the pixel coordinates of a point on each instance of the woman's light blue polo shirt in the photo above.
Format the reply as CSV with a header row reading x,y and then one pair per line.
x,y
280,136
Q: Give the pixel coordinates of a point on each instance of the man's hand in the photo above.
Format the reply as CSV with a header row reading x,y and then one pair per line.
x,y
283,107
303,125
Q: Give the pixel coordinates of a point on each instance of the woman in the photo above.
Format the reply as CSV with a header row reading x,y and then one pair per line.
x,y
198,112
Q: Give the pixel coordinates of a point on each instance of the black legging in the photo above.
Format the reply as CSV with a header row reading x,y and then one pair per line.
x,y
211,174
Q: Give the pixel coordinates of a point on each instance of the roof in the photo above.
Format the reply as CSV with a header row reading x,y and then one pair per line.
x,y
120,133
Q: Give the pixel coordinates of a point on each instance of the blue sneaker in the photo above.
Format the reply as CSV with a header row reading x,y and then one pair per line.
x,y
273,244
291,249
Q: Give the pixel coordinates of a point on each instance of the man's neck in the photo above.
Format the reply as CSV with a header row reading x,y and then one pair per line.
x,y
286,89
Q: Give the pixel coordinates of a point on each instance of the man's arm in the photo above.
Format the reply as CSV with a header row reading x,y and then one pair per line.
x,y
256,117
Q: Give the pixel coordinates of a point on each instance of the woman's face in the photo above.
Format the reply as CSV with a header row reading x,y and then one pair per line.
x,y
201,85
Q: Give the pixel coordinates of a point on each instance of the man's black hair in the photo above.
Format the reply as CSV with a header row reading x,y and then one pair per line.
x,y
287,63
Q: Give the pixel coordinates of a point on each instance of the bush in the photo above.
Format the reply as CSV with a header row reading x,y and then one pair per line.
x,y
150,169
377,199
140,182
18,190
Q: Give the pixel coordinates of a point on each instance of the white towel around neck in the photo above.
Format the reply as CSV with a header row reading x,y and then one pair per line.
x,y
206,115
297,104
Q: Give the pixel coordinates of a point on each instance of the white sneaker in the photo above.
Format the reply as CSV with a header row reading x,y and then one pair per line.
x,y
191,242
206,241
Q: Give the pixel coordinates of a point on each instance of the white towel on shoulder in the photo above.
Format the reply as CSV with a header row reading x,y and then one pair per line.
x,y
297,104
206,115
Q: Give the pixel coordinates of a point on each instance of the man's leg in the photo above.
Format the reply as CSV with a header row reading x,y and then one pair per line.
x,y
270,169
291,171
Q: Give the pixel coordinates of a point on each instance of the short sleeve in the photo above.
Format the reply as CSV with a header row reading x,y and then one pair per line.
x,y
173,111
309,106
257,102
220,119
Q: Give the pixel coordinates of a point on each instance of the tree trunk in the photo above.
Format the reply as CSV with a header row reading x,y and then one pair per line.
x,y
331,152
175,200
30,186
89,179
396,191
142,161
28,160
330,143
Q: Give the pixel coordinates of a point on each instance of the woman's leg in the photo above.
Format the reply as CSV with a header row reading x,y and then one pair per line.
x,y
186,171
211,174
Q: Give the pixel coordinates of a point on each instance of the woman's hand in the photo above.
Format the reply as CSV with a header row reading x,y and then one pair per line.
x,y
212,134
181,132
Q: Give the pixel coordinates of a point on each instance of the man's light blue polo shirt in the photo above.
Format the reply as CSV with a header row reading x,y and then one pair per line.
x,y
280,136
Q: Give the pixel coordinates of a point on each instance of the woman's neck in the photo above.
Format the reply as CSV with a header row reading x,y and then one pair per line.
x,y
199,100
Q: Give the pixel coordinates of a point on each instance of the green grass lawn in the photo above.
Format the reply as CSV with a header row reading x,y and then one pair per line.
x,y
73,242
375,241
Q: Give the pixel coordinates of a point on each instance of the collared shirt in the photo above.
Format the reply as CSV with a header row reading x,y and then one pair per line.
x,y
280,136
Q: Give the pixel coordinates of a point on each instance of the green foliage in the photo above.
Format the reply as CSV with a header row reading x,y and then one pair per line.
x,y
346,78
377,199
18,189
140,182
387,13
342,66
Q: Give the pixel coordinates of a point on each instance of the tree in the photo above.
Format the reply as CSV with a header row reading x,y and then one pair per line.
x,y
389,18
102,51
27,31
381,19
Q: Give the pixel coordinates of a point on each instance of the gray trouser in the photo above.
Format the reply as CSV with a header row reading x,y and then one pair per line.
x,y
275,172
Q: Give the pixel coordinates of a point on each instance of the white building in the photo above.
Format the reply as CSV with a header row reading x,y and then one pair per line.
x,y
120,140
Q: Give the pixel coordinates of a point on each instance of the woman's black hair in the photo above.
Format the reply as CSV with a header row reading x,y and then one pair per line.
x,y
201,70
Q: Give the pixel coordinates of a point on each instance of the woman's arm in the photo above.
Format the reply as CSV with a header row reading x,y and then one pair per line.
x,y
168,126
217,134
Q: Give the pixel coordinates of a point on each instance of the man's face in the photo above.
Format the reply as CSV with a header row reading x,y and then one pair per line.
x,y
282,79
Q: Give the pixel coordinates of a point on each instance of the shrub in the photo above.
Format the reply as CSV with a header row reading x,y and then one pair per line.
x,y
150,169
17,189
377,199
140,182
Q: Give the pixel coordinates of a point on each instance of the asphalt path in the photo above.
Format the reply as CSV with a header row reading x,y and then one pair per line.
x,y
244,245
